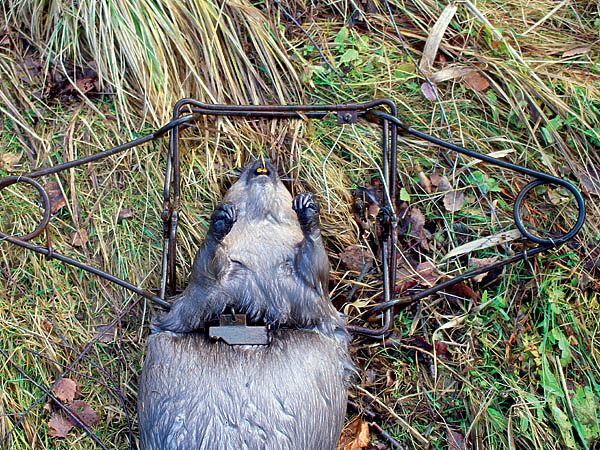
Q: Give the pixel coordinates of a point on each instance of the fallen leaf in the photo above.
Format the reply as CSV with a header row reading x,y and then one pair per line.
x,y
460,291
105,333
390,378
125,213
355,257
435,36
426,274
65,390
590,180
424,182
57,199
577,51
355,435
476,81
485,242
451,73
79,238
372,211
59,425
8,161
441,348
84,85
444,184
454,201
456,441
47,326
476,263
428,91
83,412
417,228
435,178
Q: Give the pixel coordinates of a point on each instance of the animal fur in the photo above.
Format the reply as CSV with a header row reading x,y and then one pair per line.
x,y
263,256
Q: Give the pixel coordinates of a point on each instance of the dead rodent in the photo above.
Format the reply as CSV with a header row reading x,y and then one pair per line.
x,y
263,256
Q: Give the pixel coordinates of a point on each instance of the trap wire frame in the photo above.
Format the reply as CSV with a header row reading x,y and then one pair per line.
x,y
187,111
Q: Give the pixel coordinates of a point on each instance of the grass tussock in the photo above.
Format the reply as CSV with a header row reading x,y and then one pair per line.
x,y
509,361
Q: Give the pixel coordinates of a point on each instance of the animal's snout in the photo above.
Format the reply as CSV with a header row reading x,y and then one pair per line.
x,y
262,168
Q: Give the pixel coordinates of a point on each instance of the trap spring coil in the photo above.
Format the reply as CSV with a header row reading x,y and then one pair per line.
x,y
187,111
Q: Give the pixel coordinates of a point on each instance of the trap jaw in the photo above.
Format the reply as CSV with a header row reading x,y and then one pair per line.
x,y
187,111
345,114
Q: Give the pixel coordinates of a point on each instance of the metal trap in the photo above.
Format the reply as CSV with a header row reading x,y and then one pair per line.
x,y
382,112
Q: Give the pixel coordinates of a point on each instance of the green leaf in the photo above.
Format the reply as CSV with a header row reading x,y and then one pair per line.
x,y
585,410
549,381
565,356
349,56
342,37
563,422
404,195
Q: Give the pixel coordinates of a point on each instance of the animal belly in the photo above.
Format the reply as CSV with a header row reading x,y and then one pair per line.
x,y
195,394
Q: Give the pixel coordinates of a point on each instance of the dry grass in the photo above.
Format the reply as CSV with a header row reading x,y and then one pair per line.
x,y
493,368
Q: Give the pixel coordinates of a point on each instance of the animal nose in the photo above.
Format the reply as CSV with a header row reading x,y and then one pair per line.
x,y
262,170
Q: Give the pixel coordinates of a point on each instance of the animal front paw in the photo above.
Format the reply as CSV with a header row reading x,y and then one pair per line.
x,y
222,220
307,210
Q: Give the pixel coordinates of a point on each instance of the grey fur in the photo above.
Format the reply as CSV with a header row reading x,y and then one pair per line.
x,y
261,258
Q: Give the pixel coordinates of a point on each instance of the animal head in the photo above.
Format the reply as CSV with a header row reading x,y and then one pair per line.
x,y
259,193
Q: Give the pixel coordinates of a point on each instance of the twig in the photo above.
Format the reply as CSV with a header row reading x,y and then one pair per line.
x,y
418,436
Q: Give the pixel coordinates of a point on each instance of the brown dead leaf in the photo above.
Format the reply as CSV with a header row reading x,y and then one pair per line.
x,y
424,182
79,238
373,210
426,274
444,184
57,199
47,326
83,412
454,201
355,257
428,91
84,85
435,178
476,263
9,161
125,213
417,227
577,51
390,378
590,180
355,435
456,440
65,390
441,348
460,291
476,81
105,333
58,425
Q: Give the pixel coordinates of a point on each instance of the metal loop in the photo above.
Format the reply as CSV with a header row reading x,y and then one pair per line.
x,y
550,241
9,181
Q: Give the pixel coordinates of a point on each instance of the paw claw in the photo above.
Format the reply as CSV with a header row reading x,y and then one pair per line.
x,y
222,220
307,210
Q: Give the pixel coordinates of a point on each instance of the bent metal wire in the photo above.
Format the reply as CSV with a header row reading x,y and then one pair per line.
x,y
188,111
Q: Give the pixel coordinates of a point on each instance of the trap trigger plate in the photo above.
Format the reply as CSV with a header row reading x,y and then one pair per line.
x,y
234,331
